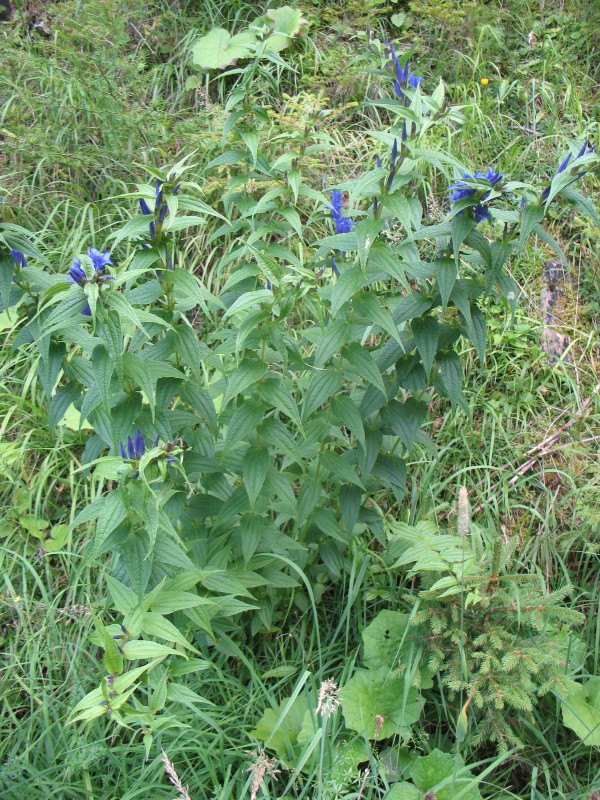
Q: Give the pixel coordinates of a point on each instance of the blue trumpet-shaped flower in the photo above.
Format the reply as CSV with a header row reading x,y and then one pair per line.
x,y
99,260
342,224
144,207
76,273
403,76
585,150
462,190
135,447
19,257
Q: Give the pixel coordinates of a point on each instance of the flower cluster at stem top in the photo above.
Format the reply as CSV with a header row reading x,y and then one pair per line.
x,y
135,447
403,77
99,261
342,224
462,190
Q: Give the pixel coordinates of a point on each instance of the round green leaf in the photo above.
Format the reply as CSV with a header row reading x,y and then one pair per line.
x,y
376,703
581,712
220,49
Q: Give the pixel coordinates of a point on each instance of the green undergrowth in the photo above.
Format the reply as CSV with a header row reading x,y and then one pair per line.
x,y
91,95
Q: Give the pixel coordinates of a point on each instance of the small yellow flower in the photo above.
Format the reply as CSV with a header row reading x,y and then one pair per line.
x,y
485,81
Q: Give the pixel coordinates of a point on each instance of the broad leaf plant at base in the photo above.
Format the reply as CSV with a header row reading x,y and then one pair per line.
x,y
253,439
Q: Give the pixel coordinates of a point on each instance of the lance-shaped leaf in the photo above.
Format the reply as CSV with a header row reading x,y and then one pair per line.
x,y
426,331
405,419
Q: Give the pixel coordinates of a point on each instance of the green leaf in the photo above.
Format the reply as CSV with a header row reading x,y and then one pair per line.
x,y
154,624
180,693
112,658
324,384
366,233
244,419
379,704
581,203
581,712
252,530
103,369
333,338
369,306
347,285
145,649
446,776
350,499
256,466
426,332
249,372
275,393
113,513
279,728
60,402
400,208
138,371
478,331
413,305
219,49
113,339
452,374
67,313
363,361
249,300
403,790
339,467
462,225
169,601
326,521
405,419
189,286
289,23
124,599
446,274
346,413
385,640
308,497
531,216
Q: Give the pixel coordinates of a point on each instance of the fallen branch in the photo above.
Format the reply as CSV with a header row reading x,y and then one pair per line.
x,y
532,456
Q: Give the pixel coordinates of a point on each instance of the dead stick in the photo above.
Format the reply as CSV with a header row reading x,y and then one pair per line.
x,y
533,455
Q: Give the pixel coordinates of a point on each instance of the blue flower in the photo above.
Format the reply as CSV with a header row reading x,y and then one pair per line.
x,y
462,190
403,76
134,448
76,273
334,266
144,207
342,224
585,150
19,257
163,212
99,260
